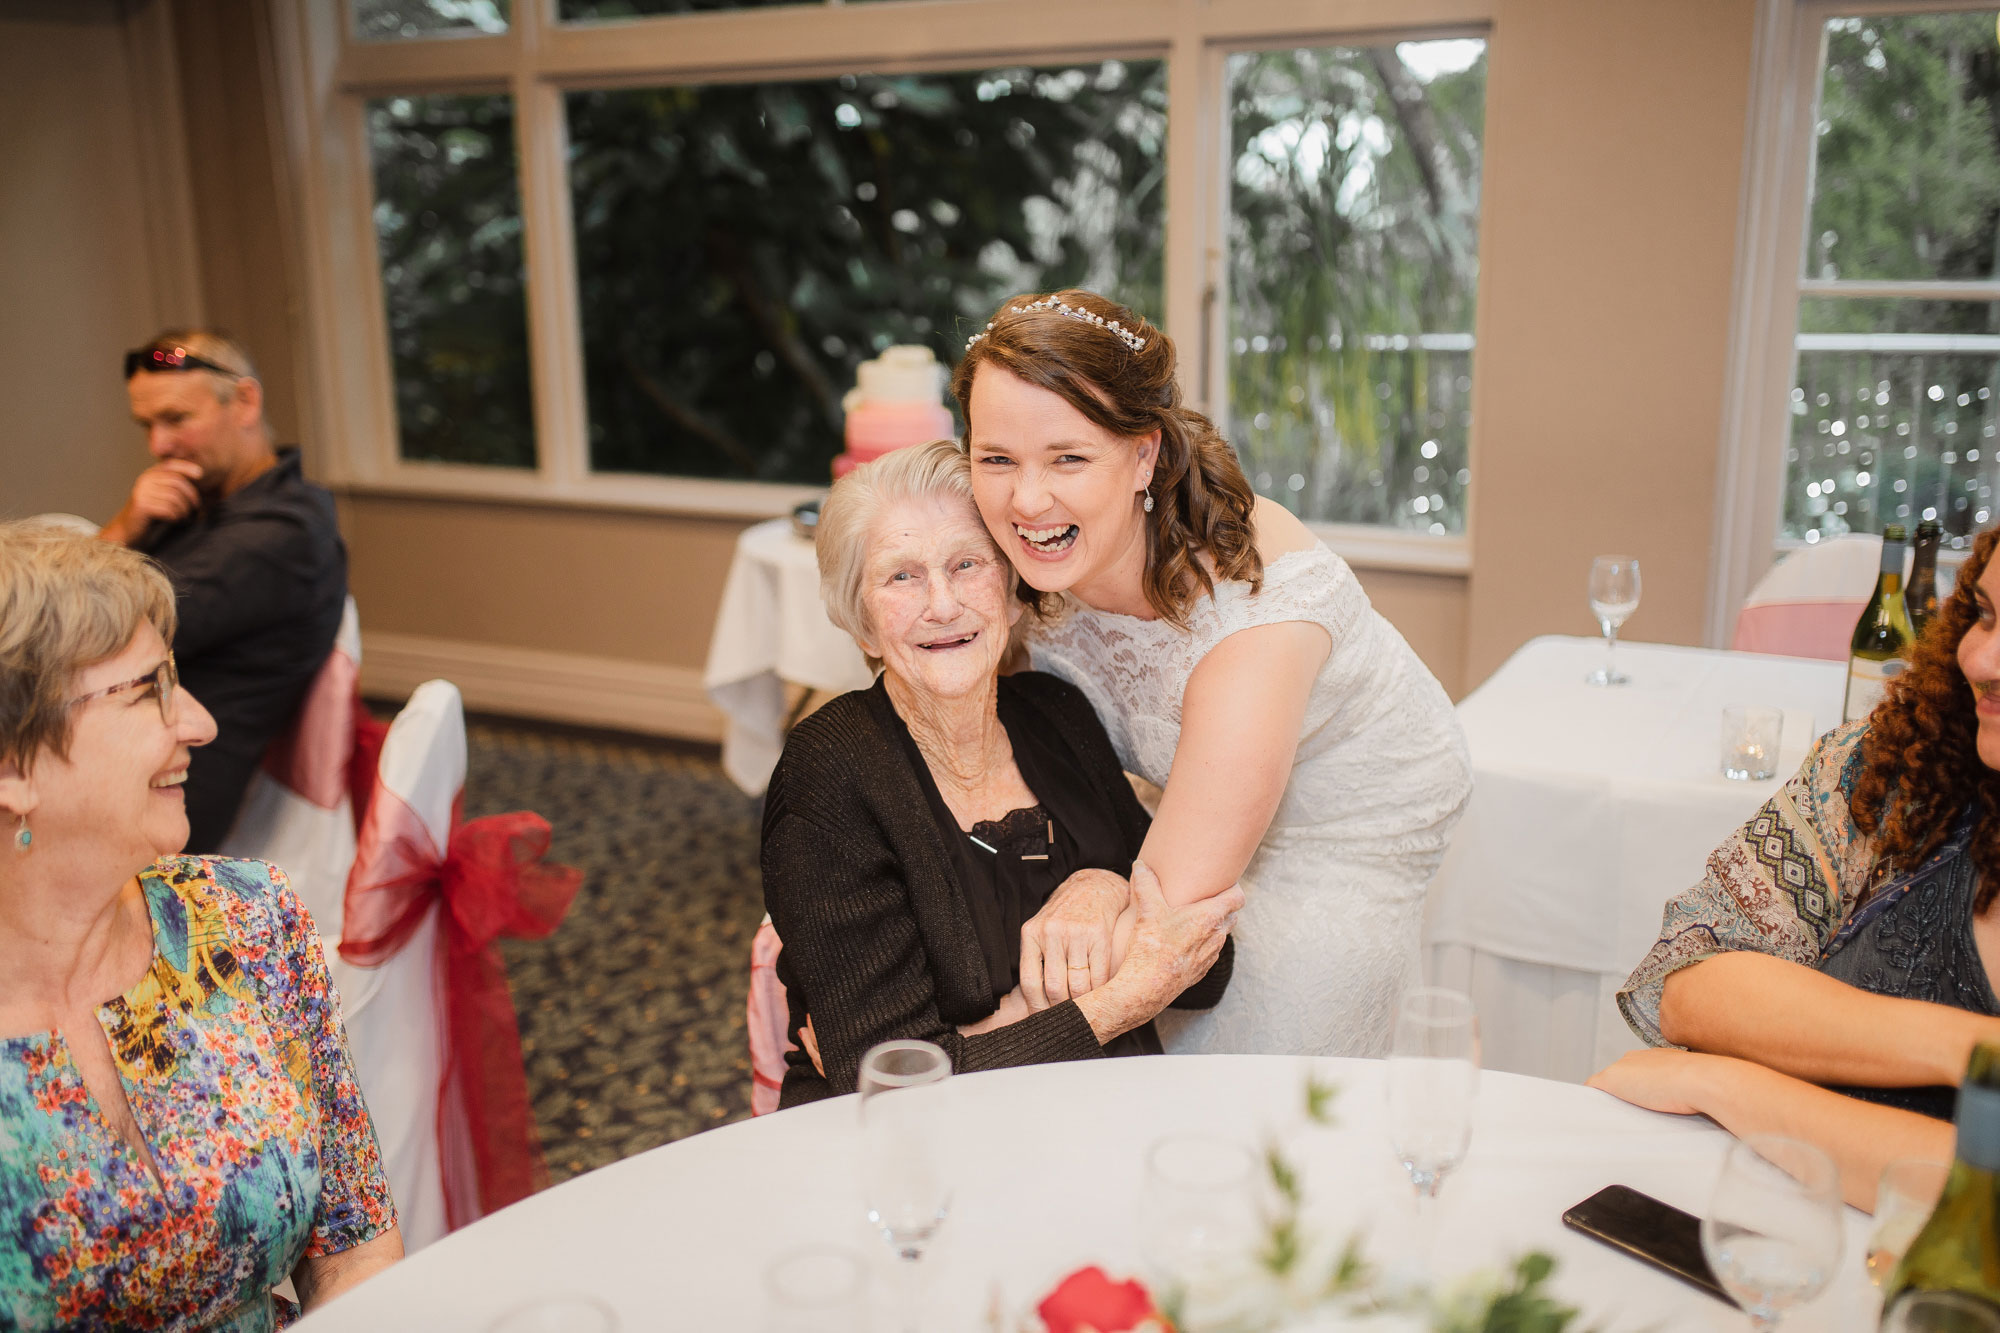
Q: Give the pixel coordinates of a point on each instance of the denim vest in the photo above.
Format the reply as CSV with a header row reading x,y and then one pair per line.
x,y
1913,939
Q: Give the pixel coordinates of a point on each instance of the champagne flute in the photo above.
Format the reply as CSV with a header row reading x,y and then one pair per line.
x,y
1904,1200
1614,596
1433,1077
1773,1230
904,1133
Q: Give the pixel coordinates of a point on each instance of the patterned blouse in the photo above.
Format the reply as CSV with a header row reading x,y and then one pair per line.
x,y
1785,884
235,1065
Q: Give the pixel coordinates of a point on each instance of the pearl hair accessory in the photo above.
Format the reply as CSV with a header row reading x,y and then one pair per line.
x,y
1123,334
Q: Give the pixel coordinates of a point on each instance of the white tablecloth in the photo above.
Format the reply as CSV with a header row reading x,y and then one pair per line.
x,y
772,630
1048,1179
1590,808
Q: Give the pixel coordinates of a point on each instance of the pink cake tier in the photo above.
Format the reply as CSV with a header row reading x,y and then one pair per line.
x,y
875,428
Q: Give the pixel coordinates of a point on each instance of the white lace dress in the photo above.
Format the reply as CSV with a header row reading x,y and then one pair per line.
x,y
1328,936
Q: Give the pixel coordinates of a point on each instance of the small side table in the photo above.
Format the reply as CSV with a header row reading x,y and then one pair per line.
x,y
770,632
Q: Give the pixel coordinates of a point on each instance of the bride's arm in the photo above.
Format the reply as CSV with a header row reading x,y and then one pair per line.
x,y
1240,720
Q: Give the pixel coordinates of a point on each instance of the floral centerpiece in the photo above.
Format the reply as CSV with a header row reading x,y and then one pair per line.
x,y
1290,1284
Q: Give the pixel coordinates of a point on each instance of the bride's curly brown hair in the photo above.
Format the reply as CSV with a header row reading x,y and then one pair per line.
x,y
1920,765
1203,505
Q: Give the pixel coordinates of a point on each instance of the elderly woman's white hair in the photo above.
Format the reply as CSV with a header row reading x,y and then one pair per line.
x,y
935,471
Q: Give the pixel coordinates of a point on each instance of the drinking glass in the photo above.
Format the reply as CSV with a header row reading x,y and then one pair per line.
x,y
1940,1312
1614,596
557,1314
1750,740
817,1290
1904,1198
1198,1210
1433,1078
905,1144
1773,1233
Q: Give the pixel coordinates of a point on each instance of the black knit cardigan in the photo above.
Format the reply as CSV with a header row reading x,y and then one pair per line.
x,y
878,942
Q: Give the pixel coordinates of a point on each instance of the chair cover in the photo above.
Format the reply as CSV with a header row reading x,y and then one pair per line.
x,y
768,1020
437,1048
1807,603
297,812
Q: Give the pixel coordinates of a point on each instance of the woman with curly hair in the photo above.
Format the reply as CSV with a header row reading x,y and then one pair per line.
x,y
1832,971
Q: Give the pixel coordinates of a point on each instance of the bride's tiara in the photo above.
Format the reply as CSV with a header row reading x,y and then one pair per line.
x,y
1123,334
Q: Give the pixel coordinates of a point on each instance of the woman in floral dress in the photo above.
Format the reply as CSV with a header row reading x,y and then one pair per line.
x,y
180,1126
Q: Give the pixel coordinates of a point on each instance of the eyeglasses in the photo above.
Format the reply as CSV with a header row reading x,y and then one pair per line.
x,y
161,359
165,680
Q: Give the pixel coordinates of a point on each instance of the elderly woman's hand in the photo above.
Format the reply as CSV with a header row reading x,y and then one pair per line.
x,y
1068,948
1171,948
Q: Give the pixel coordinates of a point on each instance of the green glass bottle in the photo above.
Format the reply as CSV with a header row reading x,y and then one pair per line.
x,y
1959,1248
1921,596
1882,637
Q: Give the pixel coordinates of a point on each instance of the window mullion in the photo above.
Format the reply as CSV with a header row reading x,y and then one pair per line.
x,y
555,350
1192,245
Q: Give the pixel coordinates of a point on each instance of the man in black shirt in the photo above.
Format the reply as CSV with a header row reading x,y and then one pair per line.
x,y
252,548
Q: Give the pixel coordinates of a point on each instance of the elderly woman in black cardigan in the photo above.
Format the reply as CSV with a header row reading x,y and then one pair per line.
x,y
914,828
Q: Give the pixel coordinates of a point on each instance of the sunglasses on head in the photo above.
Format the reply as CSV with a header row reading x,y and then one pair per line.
x,y
166,359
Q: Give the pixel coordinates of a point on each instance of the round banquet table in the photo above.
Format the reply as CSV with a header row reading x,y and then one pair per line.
x,y
1048,1173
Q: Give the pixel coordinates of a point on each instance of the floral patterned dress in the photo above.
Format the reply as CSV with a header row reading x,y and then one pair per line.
x,y
235,1064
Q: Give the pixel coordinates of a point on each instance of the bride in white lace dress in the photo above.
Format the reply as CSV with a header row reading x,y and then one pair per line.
x,y
1302,746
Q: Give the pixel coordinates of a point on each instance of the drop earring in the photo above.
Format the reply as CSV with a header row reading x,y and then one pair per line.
x,y
1149,502
23,837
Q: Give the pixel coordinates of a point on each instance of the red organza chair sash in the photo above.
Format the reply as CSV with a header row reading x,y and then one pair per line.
x,y
491,881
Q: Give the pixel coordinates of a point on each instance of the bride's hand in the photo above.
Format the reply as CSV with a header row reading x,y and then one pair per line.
x,y
1066,948
1171,949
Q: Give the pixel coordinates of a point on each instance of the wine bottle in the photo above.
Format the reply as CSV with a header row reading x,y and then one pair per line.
x,y
1959,1247
1921,596
1882,636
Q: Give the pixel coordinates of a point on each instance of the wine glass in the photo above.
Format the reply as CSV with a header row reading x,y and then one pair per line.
x,y
1433,1079
1904,1199
1940,1312
1614,596
904,1132
1198,1212
1773,1233
817,1290
557,1314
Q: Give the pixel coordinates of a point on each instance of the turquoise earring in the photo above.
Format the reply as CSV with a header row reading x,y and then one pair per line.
x,y
23,839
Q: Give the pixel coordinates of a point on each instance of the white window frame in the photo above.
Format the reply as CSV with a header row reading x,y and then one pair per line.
x,y
1788,50
325,78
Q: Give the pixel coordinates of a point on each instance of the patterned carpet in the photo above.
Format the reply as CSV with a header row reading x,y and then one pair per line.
x,y
632,1011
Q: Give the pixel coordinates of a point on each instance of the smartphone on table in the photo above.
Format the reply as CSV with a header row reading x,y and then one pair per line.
x,y
1650,1231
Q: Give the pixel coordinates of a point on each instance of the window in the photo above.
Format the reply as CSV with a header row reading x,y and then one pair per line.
x,y
631,251
741,248
448,223
1354,251
376,20
1892,410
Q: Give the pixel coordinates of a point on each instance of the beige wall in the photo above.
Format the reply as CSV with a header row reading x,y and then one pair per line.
x,y
1614,149
222,48
81,275
1614,145
592,582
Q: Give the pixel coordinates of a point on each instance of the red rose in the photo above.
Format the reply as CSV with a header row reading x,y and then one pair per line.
x,y
1089,1299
